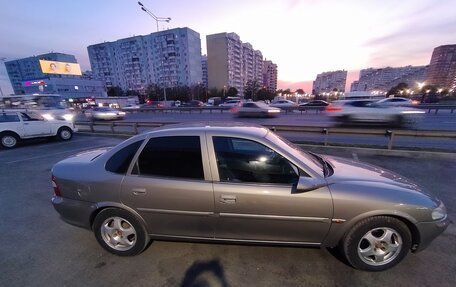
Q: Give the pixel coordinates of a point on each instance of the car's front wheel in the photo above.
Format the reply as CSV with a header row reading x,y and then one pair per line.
x,y
377,243
120,232
64,133
9,139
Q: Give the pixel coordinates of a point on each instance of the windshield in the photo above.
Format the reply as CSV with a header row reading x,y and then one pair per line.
x,y
309,159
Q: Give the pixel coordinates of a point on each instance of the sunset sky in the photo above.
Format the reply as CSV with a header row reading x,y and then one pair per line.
x,y
303,38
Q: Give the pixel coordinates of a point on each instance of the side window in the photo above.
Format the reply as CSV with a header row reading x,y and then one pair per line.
x,y
240,160
120,161
9,118
178,156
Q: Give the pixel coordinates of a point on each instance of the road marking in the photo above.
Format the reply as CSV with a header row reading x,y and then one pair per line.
x,y
355,156
56,153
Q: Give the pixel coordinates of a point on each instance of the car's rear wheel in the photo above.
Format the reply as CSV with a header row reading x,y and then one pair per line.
x,y
64,133
120,232
9,139
377,243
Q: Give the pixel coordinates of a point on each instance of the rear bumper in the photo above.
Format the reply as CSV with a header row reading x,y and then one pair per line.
x,y
429,231
75,212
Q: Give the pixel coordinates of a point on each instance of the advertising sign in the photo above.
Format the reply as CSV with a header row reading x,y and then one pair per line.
x,y
61,68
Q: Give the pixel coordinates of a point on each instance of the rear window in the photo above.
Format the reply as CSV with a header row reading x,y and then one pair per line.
x,y
8,118
120,161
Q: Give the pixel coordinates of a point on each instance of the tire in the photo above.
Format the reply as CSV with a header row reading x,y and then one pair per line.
x,y
9,140
64,133
120,232
377,243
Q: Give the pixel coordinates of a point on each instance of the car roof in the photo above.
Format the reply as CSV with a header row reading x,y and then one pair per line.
x,y
219,127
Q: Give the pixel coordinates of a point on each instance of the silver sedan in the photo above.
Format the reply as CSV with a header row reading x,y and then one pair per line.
x,y
243,183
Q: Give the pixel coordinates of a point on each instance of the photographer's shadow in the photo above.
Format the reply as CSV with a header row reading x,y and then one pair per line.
x,y
205,274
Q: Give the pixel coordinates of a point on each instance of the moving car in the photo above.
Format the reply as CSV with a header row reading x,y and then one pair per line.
x,y
16,126
315,103
192,104
283,104
395,102
369,111
231,103
256,109
231,182
104,113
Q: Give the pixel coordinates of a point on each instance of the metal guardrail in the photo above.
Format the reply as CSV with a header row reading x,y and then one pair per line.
x,y
428,107
389,134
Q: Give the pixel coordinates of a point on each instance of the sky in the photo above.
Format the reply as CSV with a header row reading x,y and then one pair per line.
x,y
303,37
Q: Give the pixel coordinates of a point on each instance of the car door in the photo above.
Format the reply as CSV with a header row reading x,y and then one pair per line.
x,y
169,186
35,125
256,198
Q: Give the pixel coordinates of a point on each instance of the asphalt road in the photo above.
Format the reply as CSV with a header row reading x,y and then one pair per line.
x,y
39,249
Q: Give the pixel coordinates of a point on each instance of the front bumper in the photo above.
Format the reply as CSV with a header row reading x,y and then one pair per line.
x,y
75,212
429,231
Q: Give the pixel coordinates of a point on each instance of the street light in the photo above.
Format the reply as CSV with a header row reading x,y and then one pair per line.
x,y
157,19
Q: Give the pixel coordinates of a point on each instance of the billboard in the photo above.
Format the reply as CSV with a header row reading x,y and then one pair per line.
x,y
61,68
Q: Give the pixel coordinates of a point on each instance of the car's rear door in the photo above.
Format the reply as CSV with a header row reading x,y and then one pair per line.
x,y
35,125
256,198
170,186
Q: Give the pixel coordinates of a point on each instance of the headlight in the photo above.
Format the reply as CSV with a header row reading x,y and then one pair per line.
x,y
68,117
439,212
48,116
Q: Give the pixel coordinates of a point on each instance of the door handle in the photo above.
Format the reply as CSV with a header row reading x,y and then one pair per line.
x,y
228,199
138,191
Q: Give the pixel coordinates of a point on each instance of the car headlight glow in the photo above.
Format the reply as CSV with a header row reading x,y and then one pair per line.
x,y
68,117
47,116
439,212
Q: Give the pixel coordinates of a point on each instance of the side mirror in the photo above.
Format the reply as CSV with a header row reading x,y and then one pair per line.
x,y
309,184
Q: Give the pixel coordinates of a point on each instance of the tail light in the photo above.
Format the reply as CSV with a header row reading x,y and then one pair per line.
x,y
332,109
55,186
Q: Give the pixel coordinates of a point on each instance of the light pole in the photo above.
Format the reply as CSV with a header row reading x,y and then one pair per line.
x,y
157,19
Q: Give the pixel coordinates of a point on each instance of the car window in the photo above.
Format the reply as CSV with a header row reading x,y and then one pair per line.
x,y
241,160
120,161
31,117
9,118
177,156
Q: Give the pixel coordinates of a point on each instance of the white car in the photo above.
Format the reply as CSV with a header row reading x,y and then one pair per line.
x,y
257,109
368,111
16,126
283,104
395,102
231,104
104,113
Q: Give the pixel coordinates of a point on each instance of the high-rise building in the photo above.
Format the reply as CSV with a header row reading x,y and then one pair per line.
x,y
52,73
383,79
330,81
442,68
204,67
232,63
167,58
270,76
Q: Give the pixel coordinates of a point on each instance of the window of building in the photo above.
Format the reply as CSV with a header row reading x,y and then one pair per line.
x,y
241,160
176,156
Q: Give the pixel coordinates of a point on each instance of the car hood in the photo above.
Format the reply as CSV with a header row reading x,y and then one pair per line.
x,y
349,170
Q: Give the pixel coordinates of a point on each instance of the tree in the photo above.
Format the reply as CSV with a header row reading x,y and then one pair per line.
x,y
115,91
396,90
300,91
232,92
250,89
263,94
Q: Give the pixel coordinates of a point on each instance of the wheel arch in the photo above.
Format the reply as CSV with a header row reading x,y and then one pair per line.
x,y
10,132
338,231
105,205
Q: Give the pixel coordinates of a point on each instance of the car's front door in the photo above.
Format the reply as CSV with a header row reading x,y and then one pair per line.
x,y
170,187
256,197
35,125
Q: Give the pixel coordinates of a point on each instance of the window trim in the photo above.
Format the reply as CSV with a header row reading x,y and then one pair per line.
x,y
204,157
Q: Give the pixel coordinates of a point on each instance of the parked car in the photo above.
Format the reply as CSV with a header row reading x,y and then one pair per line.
x,y
104,113
153,104
315,103
396,102
284,104
370,112
192,104
256,109
16,126
231,103
231,182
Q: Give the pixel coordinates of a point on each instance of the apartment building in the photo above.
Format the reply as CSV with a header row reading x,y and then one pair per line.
x,y
442,68
232,63
167,58
270,76
383,79
330,81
